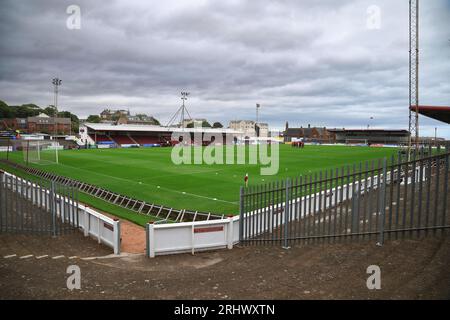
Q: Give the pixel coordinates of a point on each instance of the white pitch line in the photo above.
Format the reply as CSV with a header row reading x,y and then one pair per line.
x,y
57,257
151,185
89,258
26,257
10,256
73,257
44,256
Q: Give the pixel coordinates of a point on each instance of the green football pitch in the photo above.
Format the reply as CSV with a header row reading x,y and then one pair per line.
x,y
149,174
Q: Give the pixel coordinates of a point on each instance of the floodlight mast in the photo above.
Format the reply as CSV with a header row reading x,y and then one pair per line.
x,y
181,111
184,96
413,107
56,83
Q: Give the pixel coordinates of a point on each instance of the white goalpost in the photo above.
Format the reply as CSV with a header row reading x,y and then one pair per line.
x,y
41,151
357,141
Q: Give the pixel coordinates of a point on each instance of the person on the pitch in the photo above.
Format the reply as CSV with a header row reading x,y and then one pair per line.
x,y
246,180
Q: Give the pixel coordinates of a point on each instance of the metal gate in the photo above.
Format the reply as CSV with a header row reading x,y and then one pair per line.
x,y
369,200
37,208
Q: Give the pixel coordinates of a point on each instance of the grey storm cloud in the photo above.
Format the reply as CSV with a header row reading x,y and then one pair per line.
x,y
303,61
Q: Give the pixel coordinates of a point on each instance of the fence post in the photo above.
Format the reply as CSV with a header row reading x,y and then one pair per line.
x,y
355,206
99,239
86,221
2,193
117,239
382,204
241,215
28,149
286,215
7,150
53,207
150,239
230,232
444,202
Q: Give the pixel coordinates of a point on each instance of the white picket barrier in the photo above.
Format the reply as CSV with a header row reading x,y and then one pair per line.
x,y
92,223
191,236
105,229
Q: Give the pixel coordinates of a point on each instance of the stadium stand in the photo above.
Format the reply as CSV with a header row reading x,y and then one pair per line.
x,y
100,138
146,140
130,135
122,140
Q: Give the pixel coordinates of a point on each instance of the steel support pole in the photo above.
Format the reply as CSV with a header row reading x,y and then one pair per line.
x,y
382,206
286,215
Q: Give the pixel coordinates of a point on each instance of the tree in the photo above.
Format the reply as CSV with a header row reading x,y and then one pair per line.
x,y
93,118
50,111
32,108
205,124
73,118
27,110
6,111
217,125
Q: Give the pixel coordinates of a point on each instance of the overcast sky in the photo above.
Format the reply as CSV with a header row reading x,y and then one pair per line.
x,y
305,61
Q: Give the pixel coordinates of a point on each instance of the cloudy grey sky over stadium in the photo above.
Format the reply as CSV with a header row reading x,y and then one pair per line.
x,y
304,61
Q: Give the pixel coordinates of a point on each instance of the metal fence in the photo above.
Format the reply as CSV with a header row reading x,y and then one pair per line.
x,y
37,208
370,200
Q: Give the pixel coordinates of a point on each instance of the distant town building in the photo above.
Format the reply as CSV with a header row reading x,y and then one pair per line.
x,y
248,127
197,122
124,117
41,123
113,115
310,134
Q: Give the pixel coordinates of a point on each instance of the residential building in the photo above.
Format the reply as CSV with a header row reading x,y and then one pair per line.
x,y
41,123
248,128
309,134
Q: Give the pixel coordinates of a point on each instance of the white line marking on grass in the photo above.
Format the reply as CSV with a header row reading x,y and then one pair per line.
x,y
26,257
150,185
73,257
89,258
200,196
58,257
44,256
10,256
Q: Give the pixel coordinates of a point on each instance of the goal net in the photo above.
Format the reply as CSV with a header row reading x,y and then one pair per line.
x,y
40,151
357,142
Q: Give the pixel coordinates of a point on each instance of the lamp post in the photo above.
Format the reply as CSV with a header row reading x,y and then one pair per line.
x,y
257,119
368,125
56,83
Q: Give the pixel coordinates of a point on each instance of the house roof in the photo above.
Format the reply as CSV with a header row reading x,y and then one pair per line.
x,y
306,132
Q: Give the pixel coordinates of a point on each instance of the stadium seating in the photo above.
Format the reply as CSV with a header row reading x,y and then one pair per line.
x,y
100,138
146,140
122,139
